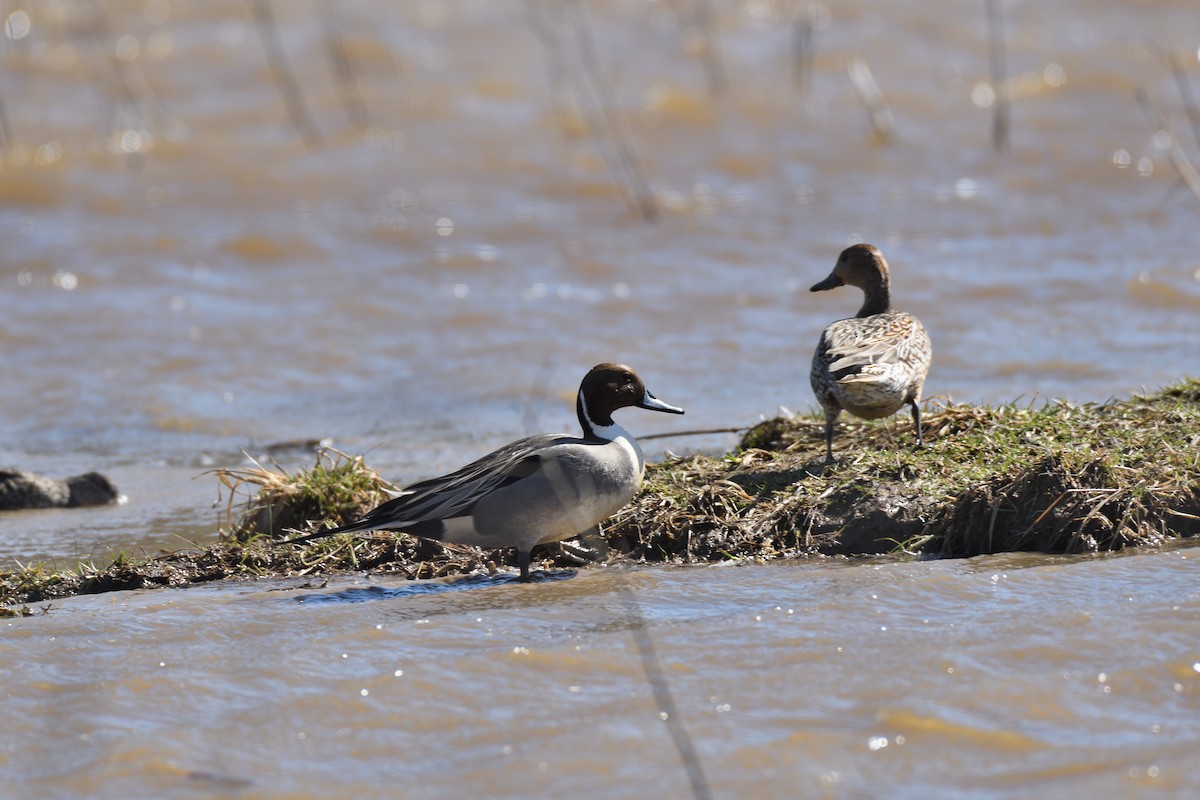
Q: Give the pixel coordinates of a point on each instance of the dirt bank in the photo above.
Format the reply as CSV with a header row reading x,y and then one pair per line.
x,y
1059,478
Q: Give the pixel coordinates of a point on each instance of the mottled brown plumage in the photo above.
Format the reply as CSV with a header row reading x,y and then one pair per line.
x,y
875,362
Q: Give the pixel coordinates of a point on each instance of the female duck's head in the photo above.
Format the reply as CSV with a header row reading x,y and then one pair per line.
x,y
864,266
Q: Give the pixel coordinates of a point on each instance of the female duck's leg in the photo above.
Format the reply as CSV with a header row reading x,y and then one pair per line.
x,y
831,416
916,415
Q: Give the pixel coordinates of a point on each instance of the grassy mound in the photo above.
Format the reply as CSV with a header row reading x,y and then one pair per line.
x,y
1061,478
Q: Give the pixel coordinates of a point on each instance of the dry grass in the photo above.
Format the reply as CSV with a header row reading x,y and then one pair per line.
x,y
1061,478
339,488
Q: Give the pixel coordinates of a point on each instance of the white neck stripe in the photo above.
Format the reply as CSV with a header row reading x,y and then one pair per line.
x,y
598,430
610,432
615,433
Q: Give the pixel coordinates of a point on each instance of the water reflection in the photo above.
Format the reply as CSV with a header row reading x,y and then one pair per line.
x,y
430,587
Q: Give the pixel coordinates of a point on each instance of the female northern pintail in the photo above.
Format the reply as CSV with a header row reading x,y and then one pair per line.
x,y
20,490
536,490
875,362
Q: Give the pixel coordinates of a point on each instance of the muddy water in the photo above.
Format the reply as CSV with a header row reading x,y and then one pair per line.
x,y
1012,676
185,278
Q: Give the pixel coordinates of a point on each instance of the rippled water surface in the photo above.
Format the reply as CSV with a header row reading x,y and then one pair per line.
x,y
422,260
1011,676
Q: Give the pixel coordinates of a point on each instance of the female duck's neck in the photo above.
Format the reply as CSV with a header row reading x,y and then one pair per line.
x,y
876,301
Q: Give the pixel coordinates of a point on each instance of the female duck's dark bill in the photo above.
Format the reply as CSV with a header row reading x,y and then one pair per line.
x,y
832,282
652,403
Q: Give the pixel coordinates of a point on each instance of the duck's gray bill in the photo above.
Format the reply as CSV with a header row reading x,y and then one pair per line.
x,y
654,404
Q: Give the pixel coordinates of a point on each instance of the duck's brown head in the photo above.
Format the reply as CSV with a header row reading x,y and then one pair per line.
x,y
864,266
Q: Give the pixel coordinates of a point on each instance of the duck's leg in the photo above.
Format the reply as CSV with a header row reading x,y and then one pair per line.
x,y
595,542
523,564
916,415
592,547
831,416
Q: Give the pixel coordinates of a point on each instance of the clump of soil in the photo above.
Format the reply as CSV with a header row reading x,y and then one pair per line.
x,y
1061,478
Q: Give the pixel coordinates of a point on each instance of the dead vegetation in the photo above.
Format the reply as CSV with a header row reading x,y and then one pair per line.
x,y
1062,478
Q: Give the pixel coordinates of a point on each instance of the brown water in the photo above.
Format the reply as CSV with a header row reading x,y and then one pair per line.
x,y
1013,676
184,279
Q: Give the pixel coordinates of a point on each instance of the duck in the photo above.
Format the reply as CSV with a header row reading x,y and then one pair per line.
x,y
537,490
24,490
875,362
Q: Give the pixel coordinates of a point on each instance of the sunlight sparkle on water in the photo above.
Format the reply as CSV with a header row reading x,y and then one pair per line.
x,y
966,188
132,141
983,95
128,48
18,25
65,280
48,153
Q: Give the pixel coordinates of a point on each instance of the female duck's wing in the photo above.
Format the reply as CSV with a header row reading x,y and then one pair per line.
x,y
895,339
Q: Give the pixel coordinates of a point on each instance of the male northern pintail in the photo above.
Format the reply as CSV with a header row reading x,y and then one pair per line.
x,y
20,489
536,490
875,362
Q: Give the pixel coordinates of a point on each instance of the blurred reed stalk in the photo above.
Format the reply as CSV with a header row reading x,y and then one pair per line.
x,y
7,140
132,86
882,121
714,66
556,61
1162,134
638,187
281,71
1183,85
998,68
346,73
804,48
605,123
